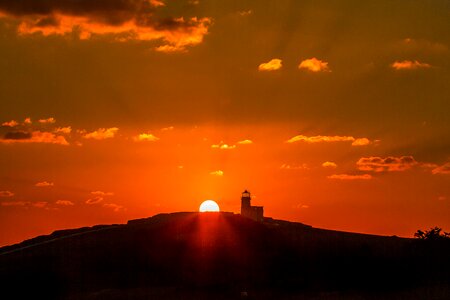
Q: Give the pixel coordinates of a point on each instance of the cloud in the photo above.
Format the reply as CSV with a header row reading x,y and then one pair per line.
x,y
350,177
114,206
27,121
329,164
294,167
329,139
223,146
64,130
102,133
272,65
99,197
40,204
245,142
217,173
6,194
103,194
157,3
361,142
47,121
167,128
94,200
388,164
123,20
244,13
33,137
14,203
314,65
409,65
147,137
444,169
301,206
11,123
422,45
64,202
44,184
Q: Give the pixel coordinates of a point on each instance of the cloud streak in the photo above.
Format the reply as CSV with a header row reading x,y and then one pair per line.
x,y
329,139
6,194
102,133
350,177
33,137
409,65
145,137
123,19
444,169
44,184
388,164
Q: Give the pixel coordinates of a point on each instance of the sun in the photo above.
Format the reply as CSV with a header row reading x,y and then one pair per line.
x,y
209,206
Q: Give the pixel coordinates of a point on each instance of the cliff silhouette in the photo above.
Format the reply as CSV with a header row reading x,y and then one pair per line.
x,y
222,256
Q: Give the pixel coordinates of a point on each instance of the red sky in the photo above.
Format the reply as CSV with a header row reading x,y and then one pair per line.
x,y
334,114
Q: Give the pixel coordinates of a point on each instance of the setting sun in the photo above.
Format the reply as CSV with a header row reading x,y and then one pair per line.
x,y
209,206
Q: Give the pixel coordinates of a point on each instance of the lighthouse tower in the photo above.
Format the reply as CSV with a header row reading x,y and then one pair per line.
x,y
255,213
245,202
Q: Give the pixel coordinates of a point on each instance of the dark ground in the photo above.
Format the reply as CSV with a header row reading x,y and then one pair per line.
x,y
222,256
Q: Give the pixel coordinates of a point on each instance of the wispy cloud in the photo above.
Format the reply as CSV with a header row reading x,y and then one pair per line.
x,y
14,203
444,169
329,139
294,167
39,204
245,142
329,164
6,194
101,193
314,65
223,146
361,142
47,121
44,184
64,202
409,65
272,65
350,177
11,123
113,206
99,196
145,137
121,20
33,137
64,130
102,133
387,164
217,173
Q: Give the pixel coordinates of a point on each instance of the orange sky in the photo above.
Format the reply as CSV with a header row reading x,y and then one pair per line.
x,y
334,114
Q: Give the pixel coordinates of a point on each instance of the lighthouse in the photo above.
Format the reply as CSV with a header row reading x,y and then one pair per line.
x,y
255,213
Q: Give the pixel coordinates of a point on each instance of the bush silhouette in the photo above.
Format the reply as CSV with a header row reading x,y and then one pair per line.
x,y
434,233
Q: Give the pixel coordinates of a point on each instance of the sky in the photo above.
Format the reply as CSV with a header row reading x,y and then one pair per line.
x,y
332,113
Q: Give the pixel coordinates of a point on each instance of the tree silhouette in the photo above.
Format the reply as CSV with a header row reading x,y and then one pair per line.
x,y
434,233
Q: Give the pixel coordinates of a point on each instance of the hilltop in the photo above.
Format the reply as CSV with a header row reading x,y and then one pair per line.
x,y
221,256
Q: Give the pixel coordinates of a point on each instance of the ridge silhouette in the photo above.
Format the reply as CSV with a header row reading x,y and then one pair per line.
x,y
221,256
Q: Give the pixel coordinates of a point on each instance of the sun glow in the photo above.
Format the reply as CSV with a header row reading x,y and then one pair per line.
x,y
209,206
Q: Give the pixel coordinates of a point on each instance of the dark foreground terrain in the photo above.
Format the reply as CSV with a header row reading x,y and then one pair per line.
x,y
222,256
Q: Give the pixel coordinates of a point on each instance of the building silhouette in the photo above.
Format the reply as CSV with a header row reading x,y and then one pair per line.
x,y
255,213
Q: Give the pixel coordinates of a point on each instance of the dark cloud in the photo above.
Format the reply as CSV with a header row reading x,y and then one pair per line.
x,y
113,12
17,135
126,19
390,163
